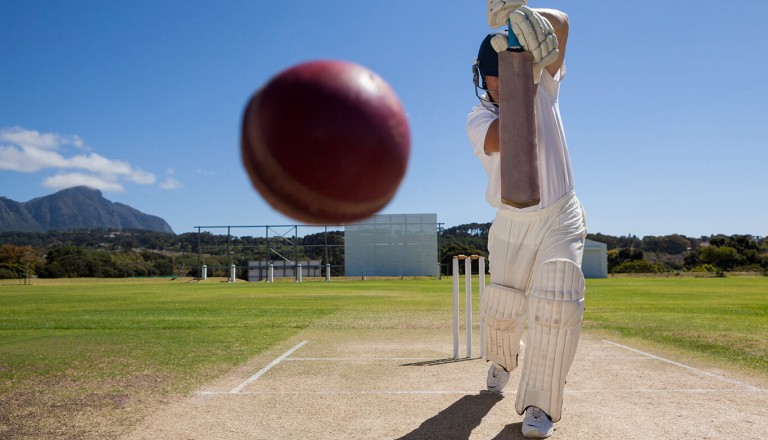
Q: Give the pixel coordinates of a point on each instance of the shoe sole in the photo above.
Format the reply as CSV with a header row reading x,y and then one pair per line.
x,y
537,435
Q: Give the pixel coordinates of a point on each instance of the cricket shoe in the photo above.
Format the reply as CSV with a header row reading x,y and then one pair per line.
x,y
537,423
497,378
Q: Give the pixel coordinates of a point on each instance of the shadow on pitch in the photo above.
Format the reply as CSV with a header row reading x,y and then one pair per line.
x,y
434,362
458,420
513,431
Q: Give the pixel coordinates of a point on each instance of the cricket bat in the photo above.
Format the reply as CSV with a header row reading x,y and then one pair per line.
x,y
517,127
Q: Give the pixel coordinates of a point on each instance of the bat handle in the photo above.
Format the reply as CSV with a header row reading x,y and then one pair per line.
x,y
514,43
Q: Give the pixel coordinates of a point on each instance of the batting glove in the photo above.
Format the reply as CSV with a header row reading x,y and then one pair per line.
x,y
499,10
500,43
537,36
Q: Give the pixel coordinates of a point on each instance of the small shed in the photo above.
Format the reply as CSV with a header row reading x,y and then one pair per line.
x,y
595,262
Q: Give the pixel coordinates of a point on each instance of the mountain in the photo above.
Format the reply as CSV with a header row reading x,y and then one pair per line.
x,y
74,208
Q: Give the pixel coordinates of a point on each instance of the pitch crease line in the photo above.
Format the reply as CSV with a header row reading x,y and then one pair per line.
x,y
339,393
472,392
261,372
688,367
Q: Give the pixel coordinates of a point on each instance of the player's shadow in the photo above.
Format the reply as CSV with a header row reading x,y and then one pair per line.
x,y
458,420
435,362
513,431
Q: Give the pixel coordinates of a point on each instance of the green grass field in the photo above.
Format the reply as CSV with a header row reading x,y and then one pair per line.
x,y
90,358
725,319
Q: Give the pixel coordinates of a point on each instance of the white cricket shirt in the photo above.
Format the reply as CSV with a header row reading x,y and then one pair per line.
x,y
555,172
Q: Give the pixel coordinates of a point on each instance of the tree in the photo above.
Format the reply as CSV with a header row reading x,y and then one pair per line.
x,y
630,241
692,259
315,247
638,266
609,241
120,252
724,258
469,230
618,256
18,261
64,261
447,254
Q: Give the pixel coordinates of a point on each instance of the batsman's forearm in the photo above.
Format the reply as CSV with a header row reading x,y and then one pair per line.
x,y
560,24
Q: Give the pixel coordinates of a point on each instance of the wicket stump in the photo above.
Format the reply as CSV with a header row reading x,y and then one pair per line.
x,y
468,297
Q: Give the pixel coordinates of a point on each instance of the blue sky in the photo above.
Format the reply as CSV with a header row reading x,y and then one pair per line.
x,y
664,104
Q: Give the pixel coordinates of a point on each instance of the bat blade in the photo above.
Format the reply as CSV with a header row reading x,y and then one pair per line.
x,y
517,130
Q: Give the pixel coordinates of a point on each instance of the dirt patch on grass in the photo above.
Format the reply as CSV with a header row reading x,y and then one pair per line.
x,y
71,409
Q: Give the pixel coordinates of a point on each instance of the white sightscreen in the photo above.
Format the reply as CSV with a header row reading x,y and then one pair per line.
x,y
392,245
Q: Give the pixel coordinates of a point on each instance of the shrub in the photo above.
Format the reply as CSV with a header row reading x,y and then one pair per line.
x,y
749,268
704,268
7,274
639,266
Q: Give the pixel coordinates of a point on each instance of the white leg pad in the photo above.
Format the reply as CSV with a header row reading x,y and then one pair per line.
x,y
504,311
556,308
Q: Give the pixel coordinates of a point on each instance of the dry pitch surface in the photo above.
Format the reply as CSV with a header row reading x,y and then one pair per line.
x,y
399,385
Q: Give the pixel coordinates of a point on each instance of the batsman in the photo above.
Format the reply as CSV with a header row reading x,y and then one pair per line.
x,y
536,241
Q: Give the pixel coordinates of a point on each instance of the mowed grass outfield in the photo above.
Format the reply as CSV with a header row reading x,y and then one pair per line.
x,y
90,358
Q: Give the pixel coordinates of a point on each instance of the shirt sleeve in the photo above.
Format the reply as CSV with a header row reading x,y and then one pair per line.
x,y
478,121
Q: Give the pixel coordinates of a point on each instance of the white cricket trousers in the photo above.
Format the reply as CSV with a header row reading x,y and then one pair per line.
x,y
535,264
518,243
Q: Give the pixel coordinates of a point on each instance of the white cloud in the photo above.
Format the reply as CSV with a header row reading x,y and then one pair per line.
x,y
170,183
142,177
68,180
35,139
29,151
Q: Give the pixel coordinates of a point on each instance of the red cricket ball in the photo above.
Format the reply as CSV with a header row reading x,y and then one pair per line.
x,y
326,142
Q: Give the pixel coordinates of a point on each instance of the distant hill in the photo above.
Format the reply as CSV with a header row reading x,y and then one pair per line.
x,y
74,208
